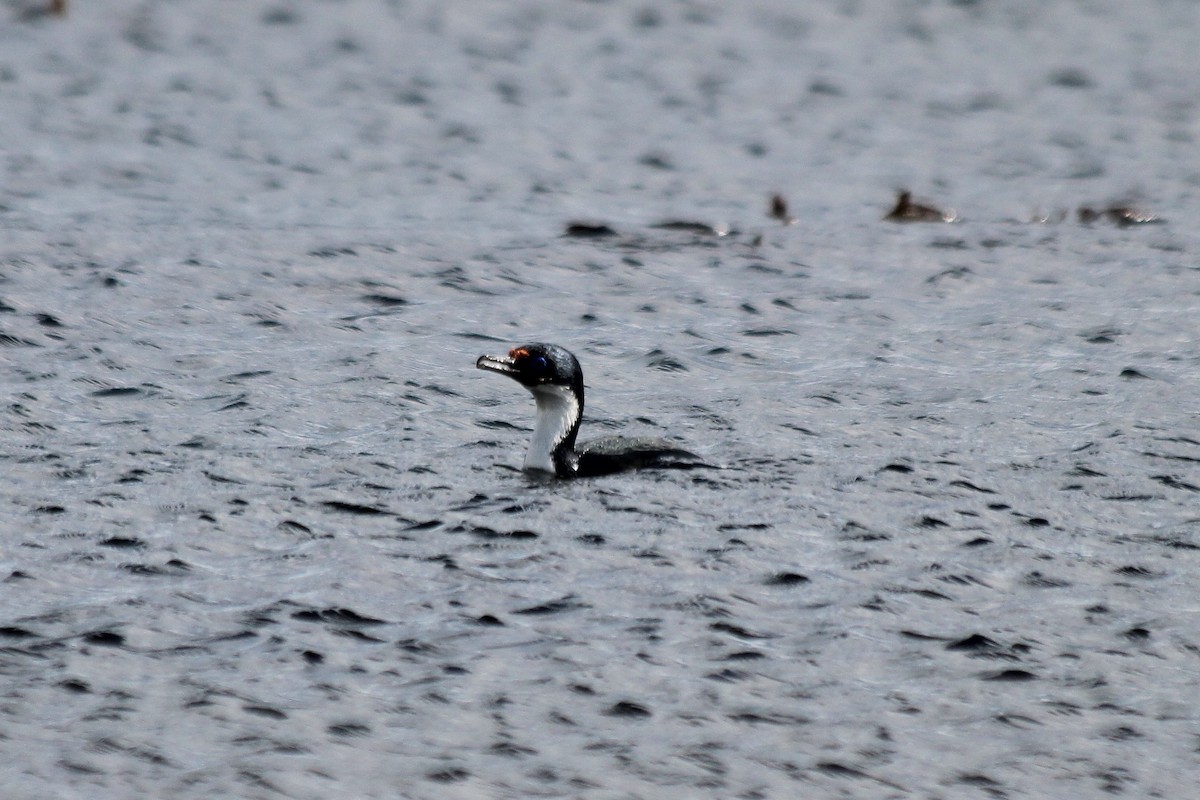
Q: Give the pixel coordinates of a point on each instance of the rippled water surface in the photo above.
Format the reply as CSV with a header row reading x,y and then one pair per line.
x,y
263,531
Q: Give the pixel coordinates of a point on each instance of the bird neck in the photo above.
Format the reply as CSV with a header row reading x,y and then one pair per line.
x,y
559,410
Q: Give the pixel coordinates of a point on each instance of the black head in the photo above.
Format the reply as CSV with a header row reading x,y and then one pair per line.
x,y
537,364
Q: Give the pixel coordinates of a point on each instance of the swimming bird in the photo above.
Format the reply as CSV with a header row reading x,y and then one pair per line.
x,y
555,379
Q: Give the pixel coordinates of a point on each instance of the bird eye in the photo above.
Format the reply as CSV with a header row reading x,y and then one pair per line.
x,y
538,363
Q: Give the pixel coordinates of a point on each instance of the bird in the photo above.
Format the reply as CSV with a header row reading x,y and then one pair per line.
x,y
555,379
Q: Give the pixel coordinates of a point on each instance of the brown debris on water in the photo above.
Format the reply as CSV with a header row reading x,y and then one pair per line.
x,y
909,210
1119,214
1122,214
779,210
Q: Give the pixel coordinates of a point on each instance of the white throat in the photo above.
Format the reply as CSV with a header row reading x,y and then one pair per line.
x,y
557,412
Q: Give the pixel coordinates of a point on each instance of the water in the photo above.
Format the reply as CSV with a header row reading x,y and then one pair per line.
x,y
264,532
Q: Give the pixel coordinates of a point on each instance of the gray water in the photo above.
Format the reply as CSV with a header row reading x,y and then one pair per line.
x,y
263,531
